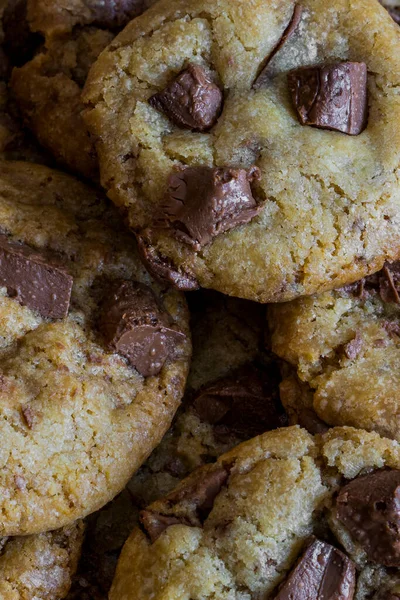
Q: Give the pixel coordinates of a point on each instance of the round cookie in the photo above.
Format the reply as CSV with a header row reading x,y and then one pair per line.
x,y
344,347
199,140
40,566
48,88
230,370
94,354
274,517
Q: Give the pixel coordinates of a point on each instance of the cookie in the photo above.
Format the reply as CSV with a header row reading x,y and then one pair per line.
x,y
53,19
48,88
232,393
284,515
39,566
196,108
94,354
344,347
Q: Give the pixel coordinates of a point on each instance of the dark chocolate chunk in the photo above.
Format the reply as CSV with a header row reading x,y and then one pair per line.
x,y
331,96
114,14
20,43
192,100
155,524
291,28
162,268
203,202
189,505
34,281
322,573
369,507
135,325
245,403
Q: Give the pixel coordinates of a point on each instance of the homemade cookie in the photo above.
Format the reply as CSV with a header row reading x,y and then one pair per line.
x,y
48,88
229,182
39,566
94,355
235,529
232,394
393,7
344,346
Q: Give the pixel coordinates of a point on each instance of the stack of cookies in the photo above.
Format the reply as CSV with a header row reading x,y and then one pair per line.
x,y
199,300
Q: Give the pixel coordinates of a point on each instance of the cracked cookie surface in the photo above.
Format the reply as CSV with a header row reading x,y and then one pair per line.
x,y
328,204
344,347
76,419
235,529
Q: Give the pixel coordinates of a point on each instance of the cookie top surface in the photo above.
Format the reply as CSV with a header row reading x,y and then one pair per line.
x,y
313,217
88,395
345,347
246,520
232,392
40,566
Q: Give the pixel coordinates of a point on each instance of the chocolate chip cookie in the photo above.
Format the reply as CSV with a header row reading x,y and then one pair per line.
x,y
253,143
39,566
344,346
48,88
232,394
284,515
94,355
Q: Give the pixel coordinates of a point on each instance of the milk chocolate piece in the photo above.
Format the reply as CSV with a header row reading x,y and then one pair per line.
x,y
353,348
114,14
369,507
322,573
245,403
155,523
386,282
134,324
191,101
162,268
203,202
331,96
291,28
189,505
34,281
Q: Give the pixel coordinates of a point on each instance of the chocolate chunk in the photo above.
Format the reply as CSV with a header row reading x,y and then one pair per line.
x,y
114,14
291,28
204,202
389,283
245,403
386,282
162,268
189,505
353,348
331,97
134,324
191,101
322,573
33,280
155,524
369,507
20,43
200,494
